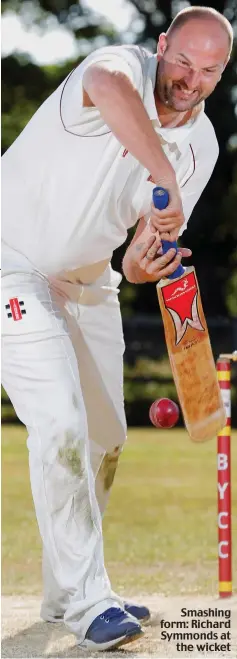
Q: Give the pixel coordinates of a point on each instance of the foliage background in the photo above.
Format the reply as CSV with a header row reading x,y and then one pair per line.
x,y
212,231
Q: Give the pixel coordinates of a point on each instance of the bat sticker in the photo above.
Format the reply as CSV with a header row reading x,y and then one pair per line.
x,y
180,288
181,302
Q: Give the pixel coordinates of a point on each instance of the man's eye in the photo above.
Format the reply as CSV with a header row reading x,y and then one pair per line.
x,y
183,63
209,70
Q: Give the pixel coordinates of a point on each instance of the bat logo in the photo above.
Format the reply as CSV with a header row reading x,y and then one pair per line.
x,y
180,288
180,326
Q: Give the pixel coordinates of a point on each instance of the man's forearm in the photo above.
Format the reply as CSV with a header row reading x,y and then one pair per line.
x,y
123,111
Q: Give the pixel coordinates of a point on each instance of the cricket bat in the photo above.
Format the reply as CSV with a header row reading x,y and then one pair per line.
x,y
189,347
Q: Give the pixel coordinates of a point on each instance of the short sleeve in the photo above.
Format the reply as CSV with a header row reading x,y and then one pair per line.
x,y
87,121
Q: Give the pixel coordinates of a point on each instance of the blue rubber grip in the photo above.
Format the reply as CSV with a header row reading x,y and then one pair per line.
x,y
161,200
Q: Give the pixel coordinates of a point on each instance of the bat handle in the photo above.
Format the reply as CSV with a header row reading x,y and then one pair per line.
x,y
160,200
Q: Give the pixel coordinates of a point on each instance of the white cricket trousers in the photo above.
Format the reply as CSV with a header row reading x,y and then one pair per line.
x,y
62,369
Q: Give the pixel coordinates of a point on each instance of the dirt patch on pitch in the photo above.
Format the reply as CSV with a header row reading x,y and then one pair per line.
x,y
24,634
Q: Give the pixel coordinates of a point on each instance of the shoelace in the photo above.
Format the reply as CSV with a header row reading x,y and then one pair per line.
x,y
113,613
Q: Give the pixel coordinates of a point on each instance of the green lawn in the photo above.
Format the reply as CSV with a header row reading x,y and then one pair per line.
x,y
161,524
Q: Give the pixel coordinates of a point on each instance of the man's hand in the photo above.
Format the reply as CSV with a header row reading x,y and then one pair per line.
x,y
168,222
144,261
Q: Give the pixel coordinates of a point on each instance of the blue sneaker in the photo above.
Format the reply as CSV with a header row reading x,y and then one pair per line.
x,y
114,627
141,613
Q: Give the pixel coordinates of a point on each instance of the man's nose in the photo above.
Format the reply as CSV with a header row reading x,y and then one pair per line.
x,y
192,79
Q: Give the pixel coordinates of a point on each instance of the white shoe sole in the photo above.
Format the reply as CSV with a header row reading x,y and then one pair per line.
x,y
141,621
100,647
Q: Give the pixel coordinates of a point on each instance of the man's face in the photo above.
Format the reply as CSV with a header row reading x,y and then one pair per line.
x,y
191,62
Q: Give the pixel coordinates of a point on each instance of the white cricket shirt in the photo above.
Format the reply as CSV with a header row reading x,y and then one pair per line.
x,y
70,190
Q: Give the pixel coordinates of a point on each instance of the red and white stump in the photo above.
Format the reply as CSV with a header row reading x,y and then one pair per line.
x,y
224,479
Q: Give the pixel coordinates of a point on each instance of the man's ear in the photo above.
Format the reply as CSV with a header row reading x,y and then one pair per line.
x,y
162,45
225,64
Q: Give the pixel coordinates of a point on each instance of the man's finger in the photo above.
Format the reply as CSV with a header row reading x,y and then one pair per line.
x,y
165,236
166,227
165,223
141,248
167,270
185,252
162,261
152,251
167,212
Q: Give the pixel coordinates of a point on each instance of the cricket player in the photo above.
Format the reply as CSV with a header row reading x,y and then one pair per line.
x,y
76,179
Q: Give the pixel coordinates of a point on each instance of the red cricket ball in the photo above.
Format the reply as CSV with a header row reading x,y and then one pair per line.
x,y
164,413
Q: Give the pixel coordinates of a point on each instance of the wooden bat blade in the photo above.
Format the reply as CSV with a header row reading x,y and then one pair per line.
x,y
191,357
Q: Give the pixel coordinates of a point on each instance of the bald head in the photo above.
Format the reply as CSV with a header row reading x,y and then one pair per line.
x,y
205,18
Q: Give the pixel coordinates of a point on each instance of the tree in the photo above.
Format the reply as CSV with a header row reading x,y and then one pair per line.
x,y
212,228
25,85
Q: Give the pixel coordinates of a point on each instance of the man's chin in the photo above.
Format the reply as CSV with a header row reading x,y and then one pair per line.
x,y
183,105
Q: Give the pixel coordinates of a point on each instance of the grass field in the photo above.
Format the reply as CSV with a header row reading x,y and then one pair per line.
x,y
161,524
